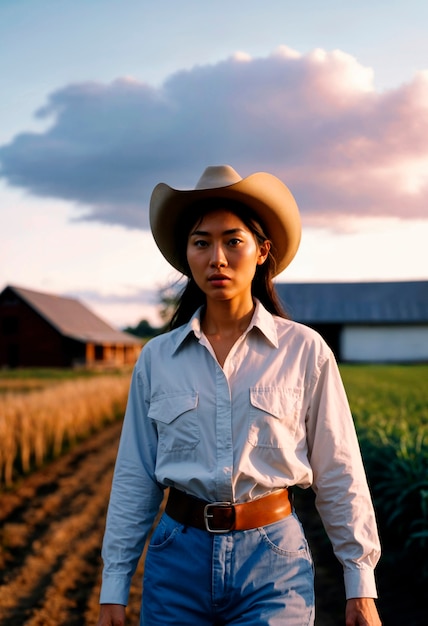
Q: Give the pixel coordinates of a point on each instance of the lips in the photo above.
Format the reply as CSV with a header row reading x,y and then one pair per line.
x,y
218,277
218,280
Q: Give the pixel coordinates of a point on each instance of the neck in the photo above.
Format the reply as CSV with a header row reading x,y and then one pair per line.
x,y
227,318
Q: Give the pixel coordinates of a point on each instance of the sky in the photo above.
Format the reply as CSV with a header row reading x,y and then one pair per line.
x,y
103,99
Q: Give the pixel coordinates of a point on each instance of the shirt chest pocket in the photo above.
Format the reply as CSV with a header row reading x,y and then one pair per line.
x,y
176,418
274,416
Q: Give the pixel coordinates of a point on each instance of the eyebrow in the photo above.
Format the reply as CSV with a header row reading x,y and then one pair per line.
x,y
204,233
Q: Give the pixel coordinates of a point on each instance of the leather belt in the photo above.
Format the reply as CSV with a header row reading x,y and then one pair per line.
x,y
223,517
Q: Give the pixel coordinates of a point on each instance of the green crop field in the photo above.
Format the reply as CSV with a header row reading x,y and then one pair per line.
x,y
390,408
392,400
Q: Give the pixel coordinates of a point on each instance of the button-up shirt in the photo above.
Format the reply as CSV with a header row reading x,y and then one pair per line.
x,y
275,415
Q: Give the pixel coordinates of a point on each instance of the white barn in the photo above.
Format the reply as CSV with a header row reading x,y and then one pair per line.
x,y
385,322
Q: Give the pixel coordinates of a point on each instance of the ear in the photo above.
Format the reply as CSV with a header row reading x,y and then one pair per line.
x,y
263,252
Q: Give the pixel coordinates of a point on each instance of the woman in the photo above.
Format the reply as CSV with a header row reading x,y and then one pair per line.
x,y
229,410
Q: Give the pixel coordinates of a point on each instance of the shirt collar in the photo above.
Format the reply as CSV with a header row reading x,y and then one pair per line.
x,y
262,320
192,326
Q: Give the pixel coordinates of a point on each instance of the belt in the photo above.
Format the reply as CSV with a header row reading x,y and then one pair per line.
x,y
223,517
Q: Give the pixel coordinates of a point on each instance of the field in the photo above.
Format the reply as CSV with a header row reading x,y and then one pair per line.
x,y
40,416
390,408
52,518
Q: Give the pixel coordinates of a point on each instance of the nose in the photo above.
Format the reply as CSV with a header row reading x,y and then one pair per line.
x,y
218,258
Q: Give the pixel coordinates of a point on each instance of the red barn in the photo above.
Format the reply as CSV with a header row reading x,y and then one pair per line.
x,y
45,330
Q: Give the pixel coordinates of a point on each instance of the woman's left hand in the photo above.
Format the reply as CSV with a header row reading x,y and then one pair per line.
x,y
362,612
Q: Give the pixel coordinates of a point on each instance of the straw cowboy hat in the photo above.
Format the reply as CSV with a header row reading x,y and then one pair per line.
x,y
269,199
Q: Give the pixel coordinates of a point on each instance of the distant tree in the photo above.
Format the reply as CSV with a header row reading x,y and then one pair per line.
x,y
168,298
143,329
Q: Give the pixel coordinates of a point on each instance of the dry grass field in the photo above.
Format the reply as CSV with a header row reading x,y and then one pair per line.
x,y
42,418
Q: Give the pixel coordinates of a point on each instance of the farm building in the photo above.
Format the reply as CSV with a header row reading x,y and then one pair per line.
x,y
364,322
45,330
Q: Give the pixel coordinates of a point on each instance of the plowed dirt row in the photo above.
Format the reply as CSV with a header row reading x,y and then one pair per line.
x,y
51,530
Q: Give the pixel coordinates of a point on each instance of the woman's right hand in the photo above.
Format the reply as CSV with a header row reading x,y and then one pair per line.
x,y
111,615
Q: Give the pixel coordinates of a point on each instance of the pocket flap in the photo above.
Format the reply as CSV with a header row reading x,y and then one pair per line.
x,y
276,401
167,408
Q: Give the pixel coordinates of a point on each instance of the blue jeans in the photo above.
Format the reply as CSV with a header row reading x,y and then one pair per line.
x,y
260,577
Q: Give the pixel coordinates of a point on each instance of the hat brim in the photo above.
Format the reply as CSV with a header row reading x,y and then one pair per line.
x,y
267,196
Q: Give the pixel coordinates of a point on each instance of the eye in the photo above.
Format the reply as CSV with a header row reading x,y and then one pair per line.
x,y
200,243
235,241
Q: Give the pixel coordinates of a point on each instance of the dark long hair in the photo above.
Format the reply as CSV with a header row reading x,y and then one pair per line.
x,y
262,287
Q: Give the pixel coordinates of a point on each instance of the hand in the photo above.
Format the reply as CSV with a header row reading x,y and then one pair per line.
x,y
111,615
361,612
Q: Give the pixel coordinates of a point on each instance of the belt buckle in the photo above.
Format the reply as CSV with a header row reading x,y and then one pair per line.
x,y
208,516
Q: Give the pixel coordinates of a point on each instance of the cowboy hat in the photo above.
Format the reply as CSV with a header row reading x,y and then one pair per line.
x,y
268,198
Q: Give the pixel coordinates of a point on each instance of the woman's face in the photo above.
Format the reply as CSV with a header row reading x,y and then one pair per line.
x,y
223,255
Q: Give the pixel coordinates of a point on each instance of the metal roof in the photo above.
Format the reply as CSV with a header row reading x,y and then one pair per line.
x,y
72,319
400,302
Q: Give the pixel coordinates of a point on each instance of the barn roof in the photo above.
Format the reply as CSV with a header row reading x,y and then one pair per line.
x,y
372,303
72,319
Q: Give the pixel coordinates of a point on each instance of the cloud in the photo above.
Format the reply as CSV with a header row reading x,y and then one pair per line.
x,y
314,120
131,296
127,307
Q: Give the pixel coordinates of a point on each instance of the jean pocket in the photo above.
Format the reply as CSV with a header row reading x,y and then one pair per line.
x,y
286,538
164,533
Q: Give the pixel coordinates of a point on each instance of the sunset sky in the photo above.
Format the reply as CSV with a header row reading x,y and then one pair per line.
x,y
103,99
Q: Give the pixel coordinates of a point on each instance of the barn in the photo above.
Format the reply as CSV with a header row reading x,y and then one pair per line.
x,y
364,322
45,330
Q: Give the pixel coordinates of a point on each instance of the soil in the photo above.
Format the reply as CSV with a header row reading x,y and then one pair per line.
x,y
51,529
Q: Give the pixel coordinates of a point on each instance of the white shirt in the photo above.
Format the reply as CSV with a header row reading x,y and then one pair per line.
x,y
274,416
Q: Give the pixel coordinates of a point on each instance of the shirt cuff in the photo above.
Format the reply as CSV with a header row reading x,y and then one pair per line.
x,y
115,590
360,583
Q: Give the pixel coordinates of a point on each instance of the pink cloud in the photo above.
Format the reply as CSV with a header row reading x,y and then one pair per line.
x,y
315,120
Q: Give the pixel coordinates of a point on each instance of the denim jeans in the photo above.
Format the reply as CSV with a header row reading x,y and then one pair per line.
x,y
262,576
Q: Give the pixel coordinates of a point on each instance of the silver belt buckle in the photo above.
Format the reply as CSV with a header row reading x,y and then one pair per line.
x,y
208,516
